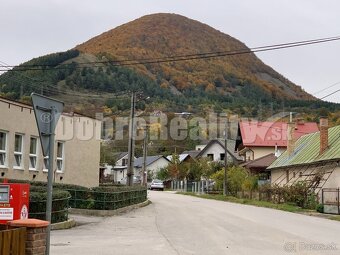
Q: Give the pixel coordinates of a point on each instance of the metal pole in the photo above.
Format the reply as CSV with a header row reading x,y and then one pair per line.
x,y
225,160
131,147
50,182
338,200
145,151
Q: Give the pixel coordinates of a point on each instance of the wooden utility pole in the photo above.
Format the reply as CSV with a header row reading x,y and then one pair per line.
x,y
131,146
145,154
225,190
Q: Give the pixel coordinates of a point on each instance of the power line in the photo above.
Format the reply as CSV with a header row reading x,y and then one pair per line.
x,y
331,86
320,40
53,90
197,56
330,94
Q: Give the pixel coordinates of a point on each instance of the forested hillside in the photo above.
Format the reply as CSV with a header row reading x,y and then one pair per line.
x,y
87,77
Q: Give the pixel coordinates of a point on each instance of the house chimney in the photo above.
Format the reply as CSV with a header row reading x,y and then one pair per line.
x,y
323,134
290,138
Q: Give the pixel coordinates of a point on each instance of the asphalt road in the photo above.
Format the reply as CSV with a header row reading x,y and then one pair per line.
x,y
177,224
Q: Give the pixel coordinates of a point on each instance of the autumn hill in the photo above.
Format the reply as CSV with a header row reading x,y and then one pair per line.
x,y
237,83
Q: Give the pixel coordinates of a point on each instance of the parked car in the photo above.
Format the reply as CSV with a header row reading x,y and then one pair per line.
x,y
136,180
157,184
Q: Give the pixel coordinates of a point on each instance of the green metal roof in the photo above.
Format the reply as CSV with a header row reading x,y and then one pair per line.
x,y
307,150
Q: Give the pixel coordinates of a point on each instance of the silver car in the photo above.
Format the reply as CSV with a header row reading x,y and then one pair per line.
x,y
157,184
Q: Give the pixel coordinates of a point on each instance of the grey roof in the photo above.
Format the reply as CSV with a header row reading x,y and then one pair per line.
x,y
181,157
262,162
192,153
119,155
138,163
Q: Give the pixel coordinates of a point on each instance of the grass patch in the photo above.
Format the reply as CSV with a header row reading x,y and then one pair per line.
x,y
282,207
337,218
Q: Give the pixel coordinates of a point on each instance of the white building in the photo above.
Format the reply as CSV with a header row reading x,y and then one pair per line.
x,y
153,164
215,151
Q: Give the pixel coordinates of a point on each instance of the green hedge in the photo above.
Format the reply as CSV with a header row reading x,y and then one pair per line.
x,y
104,197
60,204
107,197
112,200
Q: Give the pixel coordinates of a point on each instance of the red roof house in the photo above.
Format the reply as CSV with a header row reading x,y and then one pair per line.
x,y
257,139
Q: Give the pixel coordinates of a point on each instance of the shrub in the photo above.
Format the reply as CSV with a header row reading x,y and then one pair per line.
x,y
320,208
60,205
111,198
299,194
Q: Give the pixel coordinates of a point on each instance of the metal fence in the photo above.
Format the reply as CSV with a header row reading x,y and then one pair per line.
x,y
192,186
105,200
330,200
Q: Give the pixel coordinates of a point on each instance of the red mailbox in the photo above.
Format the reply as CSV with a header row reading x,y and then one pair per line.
x,y
14,201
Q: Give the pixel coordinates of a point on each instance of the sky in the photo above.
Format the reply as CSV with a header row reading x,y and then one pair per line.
x,y
38,27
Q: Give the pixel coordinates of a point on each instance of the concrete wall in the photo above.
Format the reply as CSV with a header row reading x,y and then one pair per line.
x,y
80,136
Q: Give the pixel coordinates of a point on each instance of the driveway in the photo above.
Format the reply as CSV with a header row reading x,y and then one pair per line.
x,y
177,224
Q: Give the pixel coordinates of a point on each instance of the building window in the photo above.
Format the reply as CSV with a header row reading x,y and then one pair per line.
x,y
222,156
60,156
18,151
287,176
3,148
124,161
33,153
210,156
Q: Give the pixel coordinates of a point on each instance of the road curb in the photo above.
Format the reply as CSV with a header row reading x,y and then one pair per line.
x,y
70,223
108,213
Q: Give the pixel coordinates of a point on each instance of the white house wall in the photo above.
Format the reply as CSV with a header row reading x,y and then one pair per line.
x,y
154,167
216,149
301,173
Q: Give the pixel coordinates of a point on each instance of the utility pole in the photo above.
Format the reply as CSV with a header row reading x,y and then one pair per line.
x,y
131,146
145,153
225,159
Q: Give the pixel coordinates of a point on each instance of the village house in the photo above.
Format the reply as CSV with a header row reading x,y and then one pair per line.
x,y
311,155
77,147
153,164
257,139
215,151
119,170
